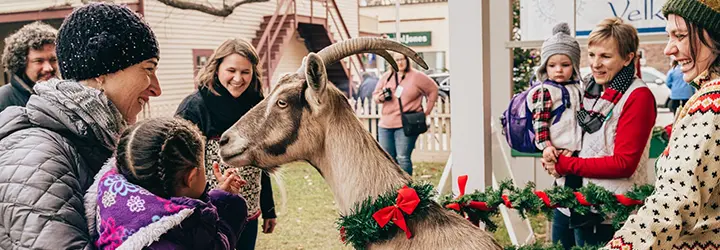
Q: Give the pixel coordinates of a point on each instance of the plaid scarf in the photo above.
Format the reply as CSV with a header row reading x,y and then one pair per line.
x,y
601,102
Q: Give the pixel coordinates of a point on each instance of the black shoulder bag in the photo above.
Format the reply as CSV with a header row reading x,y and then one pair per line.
x,y
414,123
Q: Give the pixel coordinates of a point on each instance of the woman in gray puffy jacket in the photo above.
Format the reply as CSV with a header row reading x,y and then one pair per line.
x,y
51,149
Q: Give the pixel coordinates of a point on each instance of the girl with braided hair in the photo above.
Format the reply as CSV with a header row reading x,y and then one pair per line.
x,y
153,193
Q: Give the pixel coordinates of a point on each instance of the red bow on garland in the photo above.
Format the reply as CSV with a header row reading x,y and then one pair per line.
x,y
462,182
407,201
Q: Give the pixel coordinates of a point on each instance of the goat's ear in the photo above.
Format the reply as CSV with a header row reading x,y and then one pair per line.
x,y
315,73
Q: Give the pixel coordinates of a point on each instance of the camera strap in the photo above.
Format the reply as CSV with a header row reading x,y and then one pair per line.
x,y
397,83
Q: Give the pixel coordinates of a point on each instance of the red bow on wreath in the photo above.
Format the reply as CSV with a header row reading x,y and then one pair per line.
x,y
407,201
462,182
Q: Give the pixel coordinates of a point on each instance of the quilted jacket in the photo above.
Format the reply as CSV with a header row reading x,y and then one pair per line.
x,y
49,153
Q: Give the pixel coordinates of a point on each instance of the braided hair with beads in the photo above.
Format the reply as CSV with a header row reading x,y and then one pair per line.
x,y
157,153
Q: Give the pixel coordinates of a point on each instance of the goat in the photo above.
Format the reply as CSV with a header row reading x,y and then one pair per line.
x,y
304,118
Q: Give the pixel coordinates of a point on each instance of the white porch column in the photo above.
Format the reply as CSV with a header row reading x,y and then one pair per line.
x,y
469,22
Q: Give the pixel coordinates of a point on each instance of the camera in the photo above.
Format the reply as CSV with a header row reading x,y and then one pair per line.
x,y
387,94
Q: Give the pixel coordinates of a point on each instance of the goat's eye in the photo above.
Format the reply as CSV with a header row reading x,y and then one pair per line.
x,y
281,103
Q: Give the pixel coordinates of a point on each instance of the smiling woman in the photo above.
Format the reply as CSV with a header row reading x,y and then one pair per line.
x,y
229,86
616,116
54,147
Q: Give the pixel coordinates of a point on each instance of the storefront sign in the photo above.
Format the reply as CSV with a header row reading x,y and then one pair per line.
x,y
414,38
538,17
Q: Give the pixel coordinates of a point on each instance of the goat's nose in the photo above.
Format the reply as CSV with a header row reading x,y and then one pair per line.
x,y
224,140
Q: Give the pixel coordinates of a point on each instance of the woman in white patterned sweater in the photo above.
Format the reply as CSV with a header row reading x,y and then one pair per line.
x,y
684,210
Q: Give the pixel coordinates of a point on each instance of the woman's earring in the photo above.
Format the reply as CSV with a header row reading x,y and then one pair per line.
x,y
101,86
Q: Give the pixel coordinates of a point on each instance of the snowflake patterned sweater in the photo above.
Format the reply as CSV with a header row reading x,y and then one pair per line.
x,y
126,216
684,210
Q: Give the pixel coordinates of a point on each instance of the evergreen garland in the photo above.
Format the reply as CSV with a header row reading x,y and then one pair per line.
x,y
360,228
527,201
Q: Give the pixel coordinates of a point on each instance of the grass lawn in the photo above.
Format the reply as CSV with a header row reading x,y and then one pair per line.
x,y
307,219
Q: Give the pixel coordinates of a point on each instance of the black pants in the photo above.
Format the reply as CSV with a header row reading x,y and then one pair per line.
x,y
248,236
675,104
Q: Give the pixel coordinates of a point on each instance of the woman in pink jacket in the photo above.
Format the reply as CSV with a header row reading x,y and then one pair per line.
x,y
411,86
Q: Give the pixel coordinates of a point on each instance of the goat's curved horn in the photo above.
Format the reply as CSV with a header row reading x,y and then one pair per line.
x,y
388,58
340,50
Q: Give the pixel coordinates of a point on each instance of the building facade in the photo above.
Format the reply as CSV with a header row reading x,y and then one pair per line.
x,y
283,31
423,26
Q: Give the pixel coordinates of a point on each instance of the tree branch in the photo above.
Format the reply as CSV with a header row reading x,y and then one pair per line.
x,y
225,11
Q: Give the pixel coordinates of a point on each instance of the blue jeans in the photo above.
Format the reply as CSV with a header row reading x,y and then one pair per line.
x,y
399,146
592,235
561,232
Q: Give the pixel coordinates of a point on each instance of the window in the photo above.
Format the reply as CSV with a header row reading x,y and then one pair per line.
x,y
200,58
435,61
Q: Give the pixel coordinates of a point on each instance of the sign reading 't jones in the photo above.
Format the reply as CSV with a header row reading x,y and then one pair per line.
x,y
423,38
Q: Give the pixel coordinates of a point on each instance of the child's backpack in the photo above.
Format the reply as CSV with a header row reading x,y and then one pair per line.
x,y
518,118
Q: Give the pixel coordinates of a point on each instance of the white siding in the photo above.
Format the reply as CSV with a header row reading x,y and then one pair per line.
x,y
12,6
181,31
293,53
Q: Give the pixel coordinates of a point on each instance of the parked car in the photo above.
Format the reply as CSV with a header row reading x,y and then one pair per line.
x,y
654,79
443,82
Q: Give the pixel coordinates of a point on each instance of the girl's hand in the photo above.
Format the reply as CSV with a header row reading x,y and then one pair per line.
x,y
219,176
230,181
232,184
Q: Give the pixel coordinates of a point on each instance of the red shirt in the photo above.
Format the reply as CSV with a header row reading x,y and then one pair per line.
x,y
636,121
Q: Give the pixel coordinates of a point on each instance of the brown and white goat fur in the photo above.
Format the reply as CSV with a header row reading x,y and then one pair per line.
x,y
305,118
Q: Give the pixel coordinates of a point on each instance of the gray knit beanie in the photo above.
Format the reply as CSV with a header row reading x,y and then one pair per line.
x,y
559,43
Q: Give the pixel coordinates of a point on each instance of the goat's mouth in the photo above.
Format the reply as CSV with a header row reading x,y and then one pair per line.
x,y
241,159
236,158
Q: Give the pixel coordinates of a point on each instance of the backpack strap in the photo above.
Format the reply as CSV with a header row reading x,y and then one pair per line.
x,y
557,113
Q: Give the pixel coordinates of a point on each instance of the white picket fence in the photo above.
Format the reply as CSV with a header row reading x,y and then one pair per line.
x,y
433,146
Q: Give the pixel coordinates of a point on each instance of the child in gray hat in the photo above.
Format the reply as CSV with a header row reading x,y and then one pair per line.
x,y
556,99
554,103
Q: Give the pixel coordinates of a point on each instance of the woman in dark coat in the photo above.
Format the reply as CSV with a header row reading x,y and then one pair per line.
x,y
51,149
229,86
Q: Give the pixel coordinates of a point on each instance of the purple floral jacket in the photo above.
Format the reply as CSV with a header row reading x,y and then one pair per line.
x,y
122,215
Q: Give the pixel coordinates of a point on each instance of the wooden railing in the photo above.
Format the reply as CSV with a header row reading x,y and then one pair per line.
x,y
334,22
267,40
333,13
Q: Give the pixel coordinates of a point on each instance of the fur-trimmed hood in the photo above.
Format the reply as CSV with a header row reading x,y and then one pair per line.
x,y
122,215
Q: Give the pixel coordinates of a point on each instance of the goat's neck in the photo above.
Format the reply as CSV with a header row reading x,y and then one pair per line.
x,y
357,167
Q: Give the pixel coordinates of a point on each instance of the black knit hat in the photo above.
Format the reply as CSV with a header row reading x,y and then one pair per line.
x,y
102,38
706,13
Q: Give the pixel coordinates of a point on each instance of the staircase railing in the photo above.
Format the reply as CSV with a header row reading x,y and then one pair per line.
x,y
333,17
333,13
267,40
